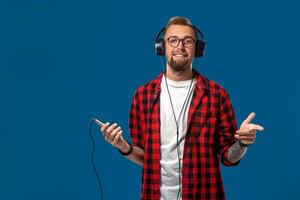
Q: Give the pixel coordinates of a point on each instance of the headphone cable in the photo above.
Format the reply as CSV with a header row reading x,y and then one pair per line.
x,y
93,159
177,127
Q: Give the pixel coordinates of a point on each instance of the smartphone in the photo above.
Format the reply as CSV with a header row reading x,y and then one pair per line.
x,y
97,121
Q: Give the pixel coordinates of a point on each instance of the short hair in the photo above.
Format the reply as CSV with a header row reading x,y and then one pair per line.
x,y
181,21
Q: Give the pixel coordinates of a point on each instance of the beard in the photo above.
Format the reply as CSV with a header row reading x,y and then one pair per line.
x,y
179,65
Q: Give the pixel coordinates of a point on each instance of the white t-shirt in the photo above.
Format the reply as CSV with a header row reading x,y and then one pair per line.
x,y
169,158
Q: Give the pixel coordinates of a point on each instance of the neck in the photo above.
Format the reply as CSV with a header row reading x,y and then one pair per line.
x,y
179,75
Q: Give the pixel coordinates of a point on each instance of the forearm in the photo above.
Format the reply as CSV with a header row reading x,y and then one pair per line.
x,y
236,152
136,156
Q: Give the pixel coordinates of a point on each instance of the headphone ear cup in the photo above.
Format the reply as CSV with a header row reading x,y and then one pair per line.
x,y
200,48
160,47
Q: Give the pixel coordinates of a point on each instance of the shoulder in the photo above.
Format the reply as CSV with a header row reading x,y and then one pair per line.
x,y
217,88
149,86
145,87
211,86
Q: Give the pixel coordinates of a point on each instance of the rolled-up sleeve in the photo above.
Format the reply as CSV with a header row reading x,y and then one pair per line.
x,y
227,128
134,122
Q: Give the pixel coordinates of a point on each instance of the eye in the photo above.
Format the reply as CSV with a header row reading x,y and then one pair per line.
x,y
173,40
189,41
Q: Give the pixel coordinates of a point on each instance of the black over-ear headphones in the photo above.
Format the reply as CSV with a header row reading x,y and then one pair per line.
x,y
199,47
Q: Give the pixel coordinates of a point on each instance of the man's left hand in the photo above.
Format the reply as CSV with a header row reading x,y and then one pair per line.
x,y
247,132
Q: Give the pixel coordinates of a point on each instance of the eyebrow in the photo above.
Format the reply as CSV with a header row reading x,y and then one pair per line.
x,y
186,36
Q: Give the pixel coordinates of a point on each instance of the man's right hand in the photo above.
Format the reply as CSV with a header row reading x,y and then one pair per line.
x,y
113,135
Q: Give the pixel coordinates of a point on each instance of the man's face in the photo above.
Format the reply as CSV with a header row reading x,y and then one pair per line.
x,y
180,53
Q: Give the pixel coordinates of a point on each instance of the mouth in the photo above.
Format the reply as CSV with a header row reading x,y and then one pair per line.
x,y
180,55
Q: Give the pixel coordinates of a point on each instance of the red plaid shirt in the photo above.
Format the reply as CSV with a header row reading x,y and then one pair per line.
x,y
210,132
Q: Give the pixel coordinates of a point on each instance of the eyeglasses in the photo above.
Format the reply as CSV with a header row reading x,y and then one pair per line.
x,y
174,41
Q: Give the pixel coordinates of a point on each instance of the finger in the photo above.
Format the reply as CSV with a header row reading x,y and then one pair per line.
x,y
256,126
113,126
249,118
245,137
246,132
104,127
109,130
117,138
113,134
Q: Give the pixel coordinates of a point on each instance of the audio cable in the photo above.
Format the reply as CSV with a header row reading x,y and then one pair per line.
x,y
177,125
177,130
93,158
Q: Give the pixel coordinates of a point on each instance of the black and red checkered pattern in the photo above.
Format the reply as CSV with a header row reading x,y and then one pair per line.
x,y
210,132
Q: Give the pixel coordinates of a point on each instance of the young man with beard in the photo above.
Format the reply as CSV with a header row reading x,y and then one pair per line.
x,y
182,125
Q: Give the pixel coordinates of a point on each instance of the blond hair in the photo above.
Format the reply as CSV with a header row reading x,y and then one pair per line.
x,y
180,21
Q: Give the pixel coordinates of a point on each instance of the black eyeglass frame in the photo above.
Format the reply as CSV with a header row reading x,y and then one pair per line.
x,y
181,40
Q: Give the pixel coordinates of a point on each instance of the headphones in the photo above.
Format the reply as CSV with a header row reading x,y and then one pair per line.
x,y
199,46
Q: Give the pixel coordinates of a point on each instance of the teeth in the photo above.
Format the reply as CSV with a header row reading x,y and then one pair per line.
x,y
180,55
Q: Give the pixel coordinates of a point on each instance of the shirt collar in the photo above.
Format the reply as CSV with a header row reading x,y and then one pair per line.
x,y
201,81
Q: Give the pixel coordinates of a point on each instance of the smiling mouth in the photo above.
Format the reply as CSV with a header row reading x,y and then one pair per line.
x,y
179,55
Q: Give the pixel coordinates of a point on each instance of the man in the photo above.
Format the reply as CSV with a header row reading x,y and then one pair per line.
x,y
182,125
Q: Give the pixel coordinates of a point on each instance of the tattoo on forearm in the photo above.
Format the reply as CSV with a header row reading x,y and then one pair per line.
x,y
236,152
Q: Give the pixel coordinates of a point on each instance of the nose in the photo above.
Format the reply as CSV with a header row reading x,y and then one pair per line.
x,y
180,44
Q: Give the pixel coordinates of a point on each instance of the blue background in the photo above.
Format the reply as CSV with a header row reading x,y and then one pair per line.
x,y
62,62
